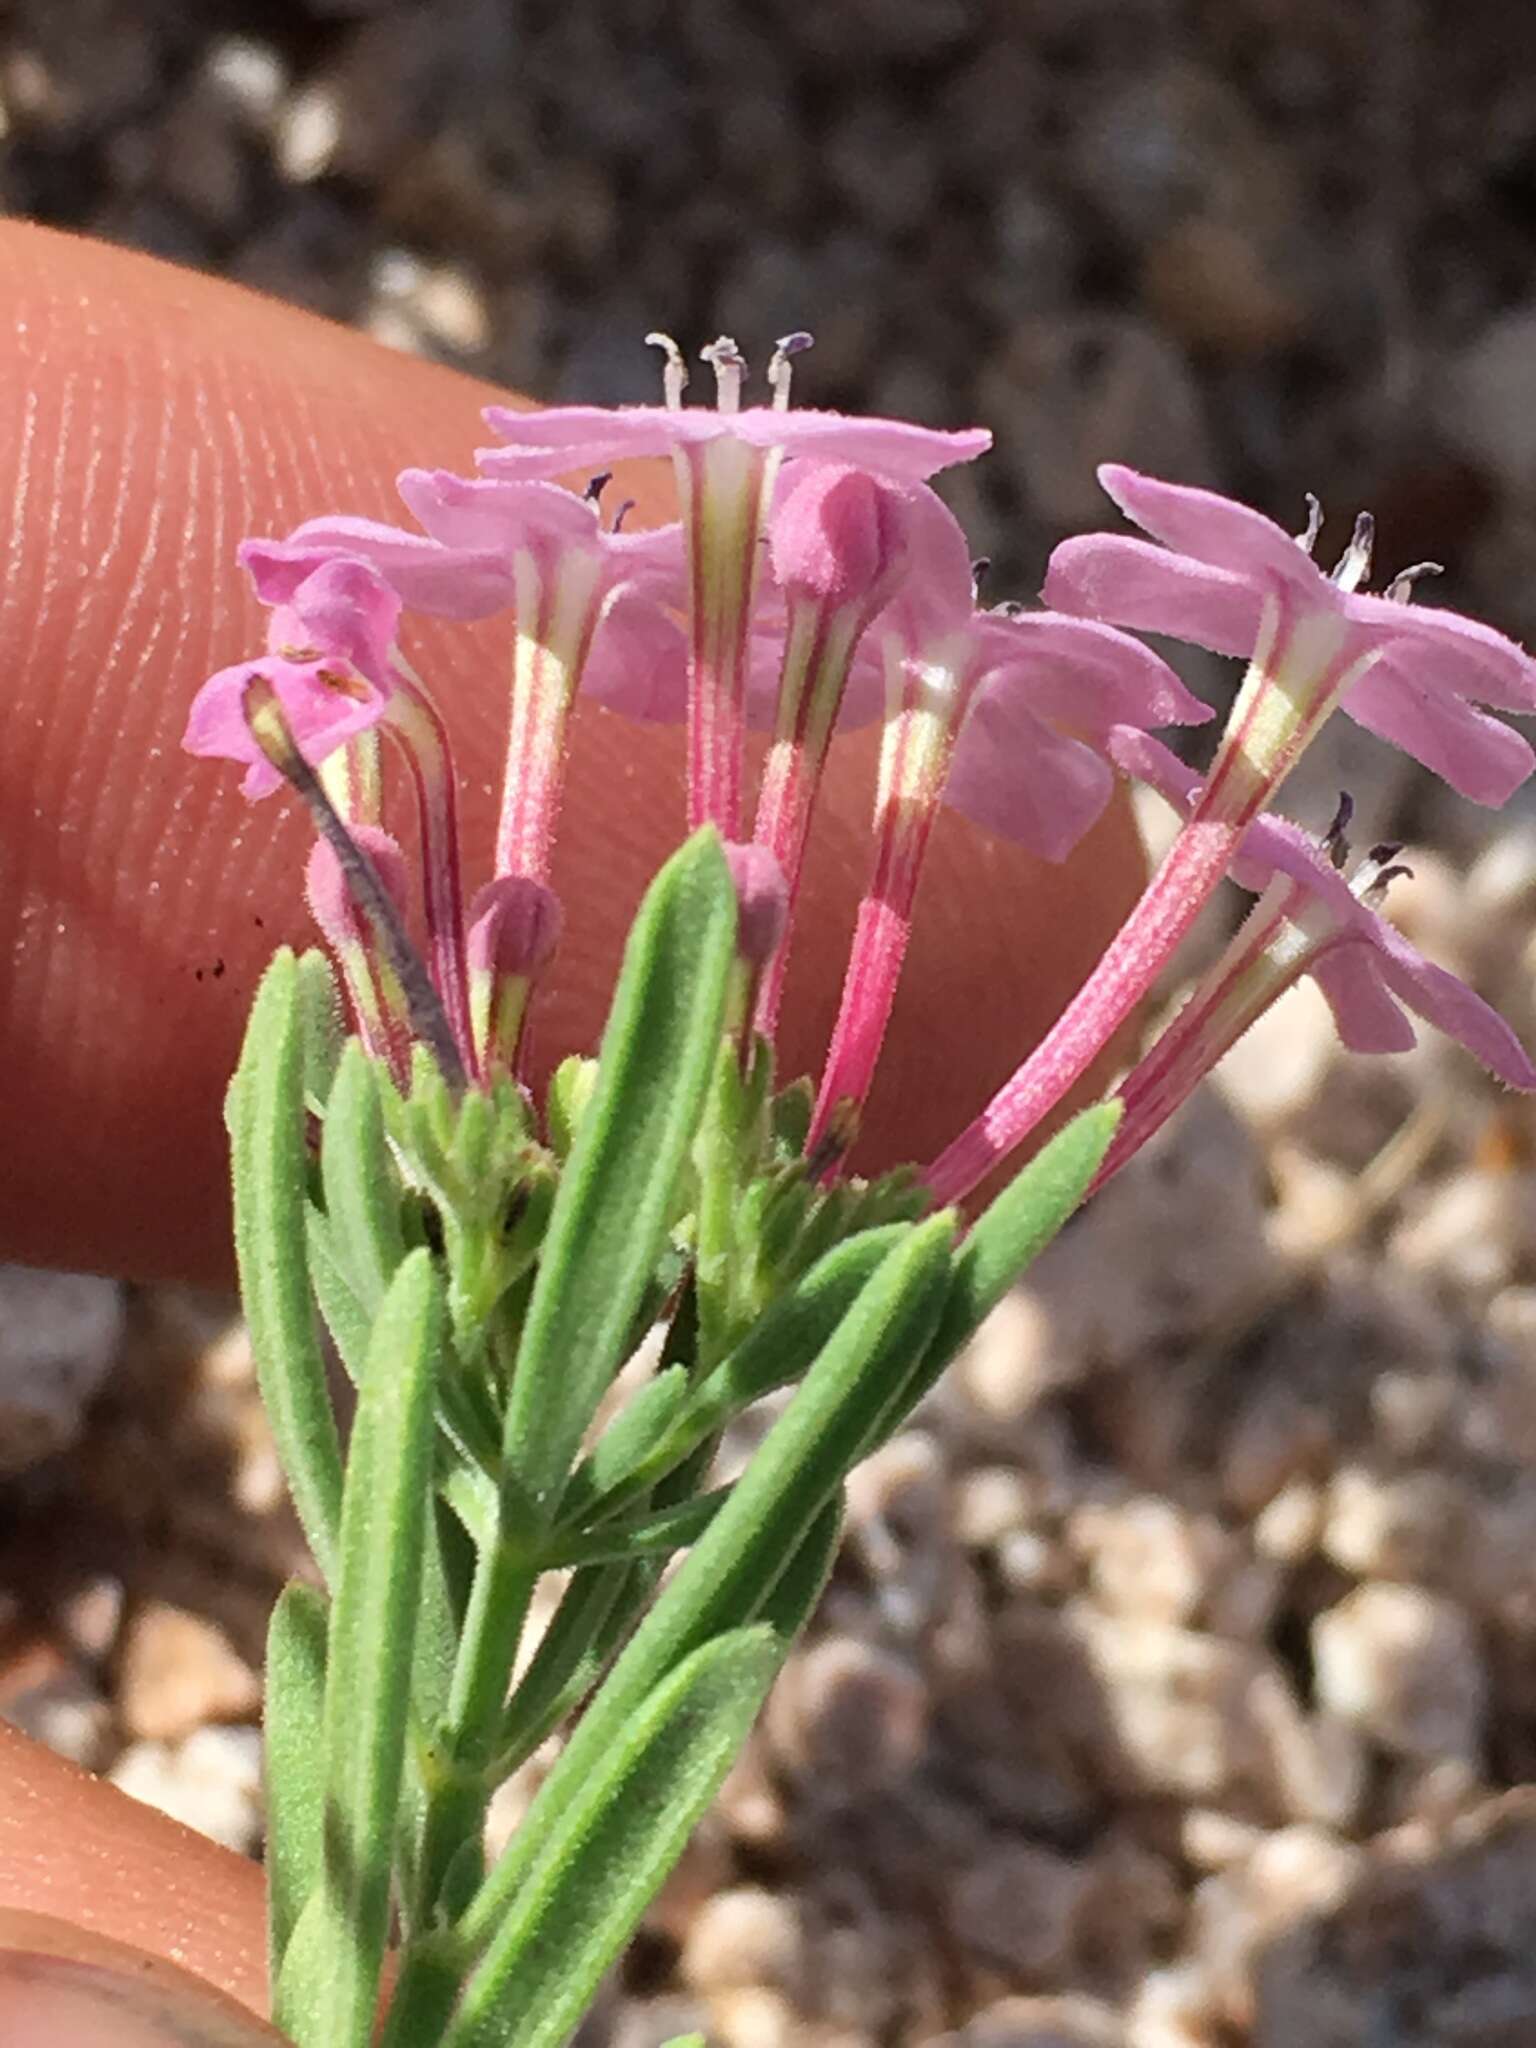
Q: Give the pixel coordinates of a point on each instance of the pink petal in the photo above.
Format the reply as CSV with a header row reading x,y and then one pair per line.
x,y
1012,774
216,729
1475,754
895,449
651,560
1440,999
1138,754
492,516
571,438
1452,653
1208,527
936,595
344,607
564,440
639,663
453,584
1128,582
1367,1018
1085,675
325,707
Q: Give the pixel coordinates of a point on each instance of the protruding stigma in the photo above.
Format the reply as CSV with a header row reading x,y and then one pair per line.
x,y
780,365
729,366
674,378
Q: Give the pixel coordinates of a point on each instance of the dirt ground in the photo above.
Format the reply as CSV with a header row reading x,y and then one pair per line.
x,y
1178,1686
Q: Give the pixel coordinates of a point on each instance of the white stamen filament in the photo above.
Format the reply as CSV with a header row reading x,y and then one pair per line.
x,y
780,366
674,380
729,366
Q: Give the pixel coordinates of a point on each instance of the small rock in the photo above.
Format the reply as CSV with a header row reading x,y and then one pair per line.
x,y
745,1938
1472,1228
1489,398
1015,1908
43,1694
1287,1529
848,1716
1146,1557
1430,1941
1405,1526
211,1782
1406,1666
179,1672
1067,2022
1277,1067
59,1335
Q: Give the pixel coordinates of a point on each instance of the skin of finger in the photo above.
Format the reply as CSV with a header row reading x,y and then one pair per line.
x,y
80,1852
149,418
59,1984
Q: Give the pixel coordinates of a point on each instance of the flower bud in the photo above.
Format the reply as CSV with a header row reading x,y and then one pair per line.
x,y
762,900
838,535
331,903
514,927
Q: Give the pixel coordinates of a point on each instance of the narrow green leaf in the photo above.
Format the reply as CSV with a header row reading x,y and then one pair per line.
x,y
775,1352
340,1310
329,1985
594,1612
321,1013
357,1171
793,1600
732,1569
295,1762
611,1213
1005,1239
635,1431
266,1116
657,1534
614,1846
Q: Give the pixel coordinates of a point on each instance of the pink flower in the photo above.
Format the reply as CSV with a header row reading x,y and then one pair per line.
x,y
1004,715
1227,578
490,546
1366,969
726,461
329,642
1029,696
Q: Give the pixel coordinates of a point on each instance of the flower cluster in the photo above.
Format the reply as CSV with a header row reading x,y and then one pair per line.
x,y
814,579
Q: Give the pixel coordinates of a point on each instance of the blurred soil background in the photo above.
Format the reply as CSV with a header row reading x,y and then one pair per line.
x,y
1178,1687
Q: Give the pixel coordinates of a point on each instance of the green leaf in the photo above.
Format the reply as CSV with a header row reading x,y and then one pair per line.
x,y
357,1172
321,1012
570,1092
795,1595
775,1352
611,1213
613,1847
627,1442
657,1534
732,1570
328,1989
594,1613
266,1113
340,1310
295,1762
1005,1239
